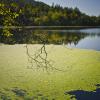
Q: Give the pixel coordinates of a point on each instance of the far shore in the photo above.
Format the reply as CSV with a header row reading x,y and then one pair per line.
x,y
48,27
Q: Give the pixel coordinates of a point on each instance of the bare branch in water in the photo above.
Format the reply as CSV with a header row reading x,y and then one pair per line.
x,y
40,59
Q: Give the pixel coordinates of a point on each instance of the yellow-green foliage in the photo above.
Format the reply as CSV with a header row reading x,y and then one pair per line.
x,y
82,72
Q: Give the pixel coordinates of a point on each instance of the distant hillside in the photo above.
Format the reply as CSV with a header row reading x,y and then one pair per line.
x,y
33,2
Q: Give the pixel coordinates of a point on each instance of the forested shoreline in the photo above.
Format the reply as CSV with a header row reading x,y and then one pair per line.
x,y
38,15
35,13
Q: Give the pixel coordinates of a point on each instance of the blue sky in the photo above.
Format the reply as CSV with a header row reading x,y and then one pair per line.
x,y
91,7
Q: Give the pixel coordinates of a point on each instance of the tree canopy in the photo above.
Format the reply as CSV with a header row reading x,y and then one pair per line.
x,y
30,12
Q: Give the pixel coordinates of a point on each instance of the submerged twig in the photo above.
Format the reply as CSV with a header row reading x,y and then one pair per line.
x,y
40,59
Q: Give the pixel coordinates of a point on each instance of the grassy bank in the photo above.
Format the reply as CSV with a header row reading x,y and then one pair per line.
x,y
18,81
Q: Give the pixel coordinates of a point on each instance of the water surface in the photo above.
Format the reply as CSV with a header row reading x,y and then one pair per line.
x,y
88,38
91,41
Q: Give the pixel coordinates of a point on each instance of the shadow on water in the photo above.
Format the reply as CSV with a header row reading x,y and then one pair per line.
x,y
85,95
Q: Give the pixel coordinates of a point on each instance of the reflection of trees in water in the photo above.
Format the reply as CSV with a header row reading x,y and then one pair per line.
x,y
65,38
31,36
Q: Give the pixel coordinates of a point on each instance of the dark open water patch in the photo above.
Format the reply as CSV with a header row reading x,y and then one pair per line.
x,y
85,95
19,92
22,94
4,96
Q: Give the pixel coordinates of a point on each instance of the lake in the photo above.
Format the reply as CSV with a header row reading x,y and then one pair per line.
x,y
69,73
88,38
91,41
